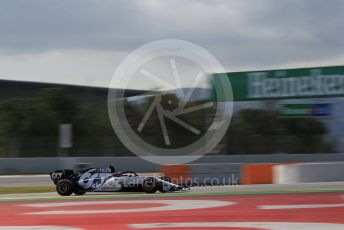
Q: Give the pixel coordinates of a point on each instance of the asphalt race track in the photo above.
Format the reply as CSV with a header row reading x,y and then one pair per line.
x,y
301,207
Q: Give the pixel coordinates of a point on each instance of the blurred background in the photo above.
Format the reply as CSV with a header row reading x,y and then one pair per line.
x,y
278,166
51,120
57,60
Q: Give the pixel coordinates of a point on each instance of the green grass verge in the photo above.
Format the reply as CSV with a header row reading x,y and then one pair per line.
x,y
18,190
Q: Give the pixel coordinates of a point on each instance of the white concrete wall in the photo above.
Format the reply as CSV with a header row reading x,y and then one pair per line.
x,y
309,172
48,164
215,173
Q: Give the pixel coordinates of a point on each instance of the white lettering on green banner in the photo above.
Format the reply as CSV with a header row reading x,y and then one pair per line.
x,y
284,84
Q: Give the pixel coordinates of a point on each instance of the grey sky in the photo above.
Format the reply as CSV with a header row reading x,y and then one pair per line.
x,y
82,42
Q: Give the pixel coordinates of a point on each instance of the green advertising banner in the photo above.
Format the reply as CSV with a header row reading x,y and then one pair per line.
x,y
306,110
296,110
284,84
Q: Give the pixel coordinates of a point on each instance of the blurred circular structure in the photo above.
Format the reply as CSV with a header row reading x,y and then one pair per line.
x,y
169,107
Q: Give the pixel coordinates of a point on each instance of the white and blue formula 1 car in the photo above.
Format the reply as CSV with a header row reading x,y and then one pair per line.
x,y
108,180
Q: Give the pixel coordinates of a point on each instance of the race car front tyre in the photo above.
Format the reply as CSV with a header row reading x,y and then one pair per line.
x,y
64,187
163,187
149,185
79,193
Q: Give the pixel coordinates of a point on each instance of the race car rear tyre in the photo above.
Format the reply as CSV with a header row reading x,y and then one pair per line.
x,y
64,187
149,185
79,193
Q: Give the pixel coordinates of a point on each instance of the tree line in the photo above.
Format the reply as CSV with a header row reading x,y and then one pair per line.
x,y
29,127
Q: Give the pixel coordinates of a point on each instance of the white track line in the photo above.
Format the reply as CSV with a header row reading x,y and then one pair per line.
x,y
255,225
299,206
169,205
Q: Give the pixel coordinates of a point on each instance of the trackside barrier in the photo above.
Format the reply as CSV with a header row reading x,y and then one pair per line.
x,y
309,172
48,164
257,173
179,173
203,174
